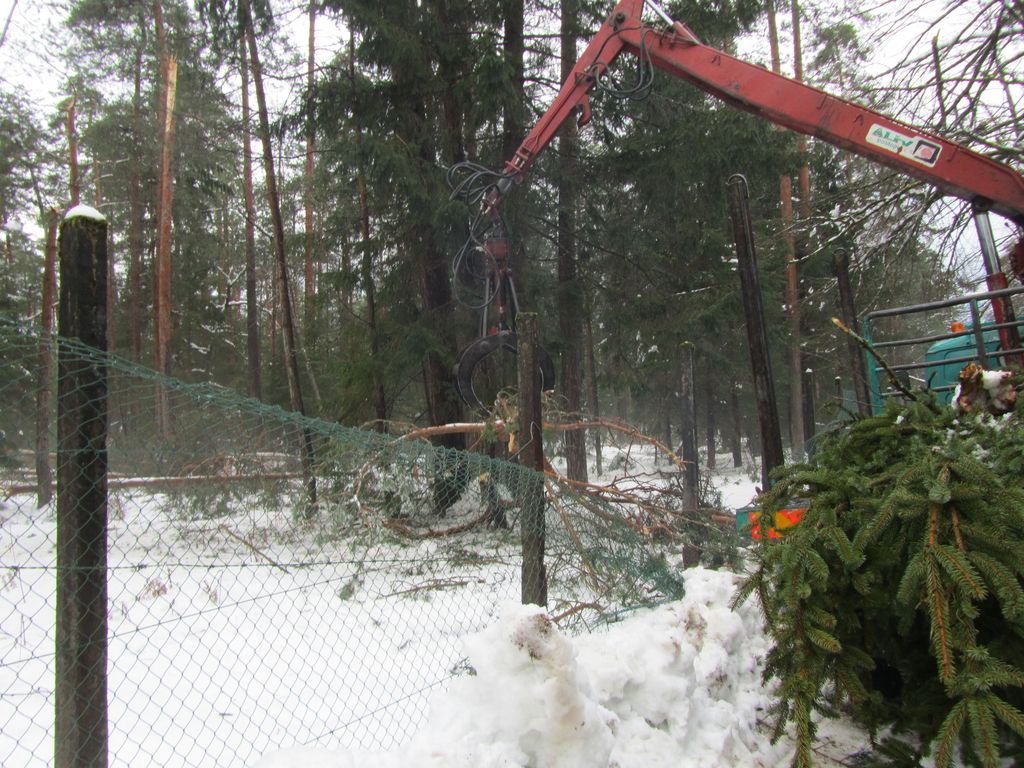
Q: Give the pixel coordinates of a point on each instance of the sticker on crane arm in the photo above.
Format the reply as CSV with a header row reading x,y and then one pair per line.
x,y
921,150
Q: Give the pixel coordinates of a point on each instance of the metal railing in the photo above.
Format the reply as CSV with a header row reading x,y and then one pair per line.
x,y
988,344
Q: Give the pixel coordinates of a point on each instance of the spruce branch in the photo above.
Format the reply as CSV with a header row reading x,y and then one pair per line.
x,y
916,518
982,722
938,610
954,519
948,733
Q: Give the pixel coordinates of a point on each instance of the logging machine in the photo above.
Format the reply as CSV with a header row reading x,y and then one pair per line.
x,y
672,47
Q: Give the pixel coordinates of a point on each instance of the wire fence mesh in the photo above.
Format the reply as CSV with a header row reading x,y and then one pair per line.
x,y
240,616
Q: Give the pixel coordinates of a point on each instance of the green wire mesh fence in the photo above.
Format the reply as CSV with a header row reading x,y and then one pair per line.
x,y
241,617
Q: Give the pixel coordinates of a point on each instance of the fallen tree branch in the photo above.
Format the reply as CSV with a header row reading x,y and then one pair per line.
x,y
474,427
252,546
435,584
878,358
576,609
436,533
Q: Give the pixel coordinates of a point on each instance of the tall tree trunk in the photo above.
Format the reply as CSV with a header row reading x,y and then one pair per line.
x,y
380,403
736,436
801,246
44,388
74,178
135,223
711,411
451,73
443,404
688,430
252,310
163,251
310,269
593,401
570,302
97,183
792,297
804,177
514,50
287,323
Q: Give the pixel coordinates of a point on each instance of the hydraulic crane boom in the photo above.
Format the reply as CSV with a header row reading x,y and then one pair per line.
x,y
953,169
948,166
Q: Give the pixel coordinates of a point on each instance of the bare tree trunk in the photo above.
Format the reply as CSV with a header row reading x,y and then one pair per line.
x,y
570,302
533,571
252,310
593,401
792,298
514,49
688,430
711,409
44,388
135,205
74,178
97,183
380,403
801,249
310,270
443,404
736,437
162,325
287,323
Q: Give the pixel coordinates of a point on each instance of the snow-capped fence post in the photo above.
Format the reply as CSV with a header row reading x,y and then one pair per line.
x,y
80,731
531,455
757,337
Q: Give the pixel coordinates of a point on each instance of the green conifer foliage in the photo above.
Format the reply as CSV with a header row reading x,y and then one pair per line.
x,y
898,599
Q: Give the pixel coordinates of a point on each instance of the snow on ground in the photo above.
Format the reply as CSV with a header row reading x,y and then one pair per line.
x,y
219,657
678,685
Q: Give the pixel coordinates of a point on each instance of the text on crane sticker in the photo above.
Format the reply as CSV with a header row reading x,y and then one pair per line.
x,y
921,150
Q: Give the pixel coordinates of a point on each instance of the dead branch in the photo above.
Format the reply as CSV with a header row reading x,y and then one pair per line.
x,y
576,609
436,533
878,358
435,584
500,430
253,547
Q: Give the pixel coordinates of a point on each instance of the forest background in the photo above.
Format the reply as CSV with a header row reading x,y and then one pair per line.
x,y
274,177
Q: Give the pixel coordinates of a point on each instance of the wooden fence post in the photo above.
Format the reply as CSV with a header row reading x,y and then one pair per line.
x,y
81,634
531,455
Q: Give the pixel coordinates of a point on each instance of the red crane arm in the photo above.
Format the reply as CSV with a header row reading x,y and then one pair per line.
x,y
950,167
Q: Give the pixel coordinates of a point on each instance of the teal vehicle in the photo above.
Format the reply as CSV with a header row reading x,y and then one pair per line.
x,y
934,361
947,358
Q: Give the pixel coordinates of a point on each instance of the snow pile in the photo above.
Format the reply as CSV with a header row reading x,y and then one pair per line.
x,y
673,686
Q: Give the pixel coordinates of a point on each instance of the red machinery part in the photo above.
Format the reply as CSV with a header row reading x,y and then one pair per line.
x,y
950,167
